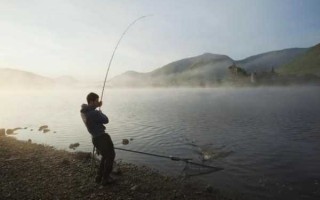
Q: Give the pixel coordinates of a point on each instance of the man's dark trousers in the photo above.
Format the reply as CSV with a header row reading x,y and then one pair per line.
x,y
104,145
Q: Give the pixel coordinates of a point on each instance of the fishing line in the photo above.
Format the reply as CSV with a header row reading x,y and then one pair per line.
x,y
190,169
183,138
114,51
189,165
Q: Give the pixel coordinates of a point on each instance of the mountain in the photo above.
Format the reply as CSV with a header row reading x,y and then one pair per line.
x,y
204,70
213,61
131,79
212,69
18,79
11,78
306,64
266,61
66,80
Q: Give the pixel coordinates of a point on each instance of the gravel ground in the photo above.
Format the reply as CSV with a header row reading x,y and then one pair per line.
x,y
34,171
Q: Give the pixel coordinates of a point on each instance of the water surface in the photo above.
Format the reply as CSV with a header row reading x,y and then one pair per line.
x,y
267,139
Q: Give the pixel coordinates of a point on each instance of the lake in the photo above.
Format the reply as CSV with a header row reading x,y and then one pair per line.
x,y
266,139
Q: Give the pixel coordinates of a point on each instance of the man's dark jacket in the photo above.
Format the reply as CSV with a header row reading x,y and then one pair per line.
x,y
94,120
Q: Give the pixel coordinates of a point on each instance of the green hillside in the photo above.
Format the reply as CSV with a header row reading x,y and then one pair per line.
x,y
308,63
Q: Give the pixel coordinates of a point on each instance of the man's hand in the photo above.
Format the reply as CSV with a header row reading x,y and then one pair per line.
x,y
100,104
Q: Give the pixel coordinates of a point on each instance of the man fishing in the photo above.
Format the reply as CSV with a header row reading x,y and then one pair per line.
x,y
94,120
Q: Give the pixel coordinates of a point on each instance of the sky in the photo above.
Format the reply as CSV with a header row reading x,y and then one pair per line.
x,y
77,37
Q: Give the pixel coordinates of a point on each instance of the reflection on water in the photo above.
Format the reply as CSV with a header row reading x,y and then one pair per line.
x,y
267,139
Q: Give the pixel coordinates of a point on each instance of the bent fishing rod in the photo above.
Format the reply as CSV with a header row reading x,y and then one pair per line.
x,y
186,160
114,51
110,61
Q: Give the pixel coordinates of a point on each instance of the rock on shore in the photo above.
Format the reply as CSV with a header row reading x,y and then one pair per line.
x,y
34,171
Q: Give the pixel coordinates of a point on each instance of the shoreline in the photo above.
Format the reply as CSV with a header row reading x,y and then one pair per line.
x,y
36,171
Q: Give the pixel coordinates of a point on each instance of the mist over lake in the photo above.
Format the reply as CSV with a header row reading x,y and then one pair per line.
x,y
266,139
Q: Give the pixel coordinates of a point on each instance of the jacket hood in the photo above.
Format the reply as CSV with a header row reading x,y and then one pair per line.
x,y
86,108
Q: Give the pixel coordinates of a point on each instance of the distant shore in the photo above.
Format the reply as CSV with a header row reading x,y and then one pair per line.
x,y
34,171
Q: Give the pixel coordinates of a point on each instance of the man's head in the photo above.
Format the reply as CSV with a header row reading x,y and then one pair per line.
x,y
93,99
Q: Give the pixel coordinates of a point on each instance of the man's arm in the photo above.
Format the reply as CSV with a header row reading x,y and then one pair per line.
x,y
100,117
